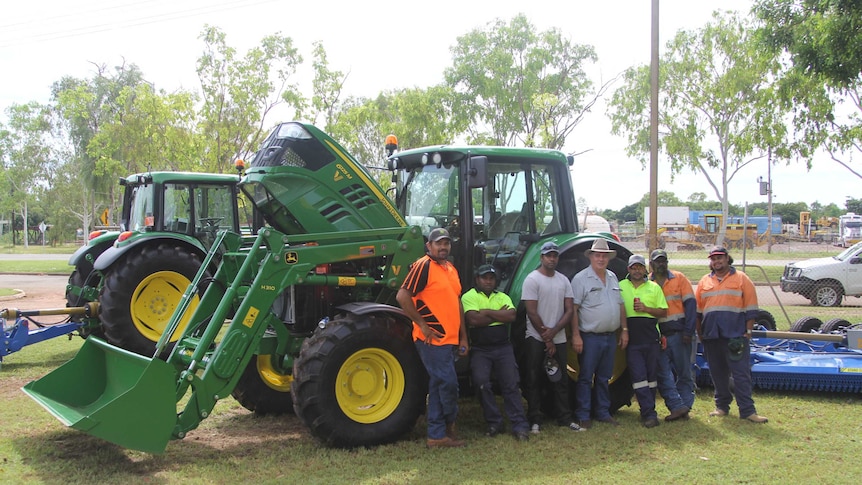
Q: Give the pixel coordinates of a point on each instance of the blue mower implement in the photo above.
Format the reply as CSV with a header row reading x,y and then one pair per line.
x,y
798,361
18,333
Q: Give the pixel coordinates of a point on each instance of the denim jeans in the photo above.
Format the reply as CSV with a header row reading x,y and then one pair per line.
x,y
678,354
721,368
596,369
439,361
500,361
667,383
535,350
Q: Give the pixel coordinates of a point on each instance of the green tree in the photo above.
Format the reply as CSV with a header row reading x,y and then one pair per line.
x,y
717,110
83,108
519,86
239,93
853,205
418,117
327,87
789,211
155,131
822,38
27,158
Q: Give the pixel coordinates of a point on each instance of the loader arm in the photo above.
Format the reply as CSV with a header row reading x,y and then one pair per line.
x,y
208,359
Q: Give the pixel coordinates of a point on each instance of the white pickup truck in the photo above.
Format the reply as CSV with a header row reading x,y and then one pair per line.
x,y
826,281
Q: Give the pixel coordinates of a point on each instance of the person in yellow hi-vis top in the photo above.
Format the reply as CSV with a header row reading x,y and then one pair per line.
x,y
645,304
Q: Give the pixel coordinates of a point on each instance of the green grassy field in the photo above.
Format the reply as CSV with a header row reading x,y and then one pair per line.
x,y
811,437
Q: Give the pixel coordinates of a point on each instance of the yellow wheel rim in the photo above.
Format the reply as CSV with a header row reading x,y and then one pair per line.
x,y
154,301
370,385
271,376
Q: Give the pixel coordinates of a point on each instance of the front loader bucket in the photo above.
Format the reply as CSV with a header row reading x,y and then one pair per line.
x,y
114,394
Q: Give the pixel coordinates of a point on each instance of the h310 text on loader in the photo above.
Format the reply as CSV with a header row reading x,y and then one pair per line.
x,y
313,325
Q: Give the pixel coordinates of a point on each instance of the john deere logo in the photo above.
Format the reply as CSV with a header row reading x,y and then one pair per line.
x,y
291,258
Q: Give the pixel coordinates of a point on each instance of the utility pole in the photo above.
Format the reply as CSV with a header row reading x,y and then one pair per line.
x,y
653,132
766,189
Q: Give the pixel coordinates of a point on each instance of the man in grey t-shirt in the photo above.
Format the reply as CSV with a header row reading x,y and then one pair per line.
x,y
547,296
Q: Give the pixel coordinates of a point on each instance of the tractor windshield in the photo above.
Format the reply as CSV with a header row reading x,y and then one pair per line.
x,y
141,209
494,223
432,198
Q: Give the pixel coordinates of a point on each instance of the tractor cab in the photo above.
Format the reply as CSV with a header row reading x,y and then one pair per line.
x,y
175,202
495,202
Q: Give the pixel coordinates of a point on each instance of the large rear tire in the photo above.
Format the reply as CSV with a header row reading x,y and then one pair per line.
x,y
264,387
141,292
359,381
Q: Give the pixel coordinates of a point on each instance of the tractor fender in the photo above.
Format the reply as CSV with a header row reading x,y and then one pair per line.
x,y
364,308
113,253
572,258
95,246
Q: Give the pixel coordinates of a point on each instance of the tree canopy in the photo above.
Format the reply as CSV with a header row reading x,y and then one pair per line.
x,y
718,112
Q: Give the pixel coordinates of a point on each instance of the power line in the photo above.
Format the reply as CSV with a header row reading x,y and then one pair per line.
x,y
137,21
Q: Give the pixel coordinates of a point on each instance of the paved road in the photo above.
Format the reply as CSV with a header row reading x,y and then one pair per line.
x,y
38,257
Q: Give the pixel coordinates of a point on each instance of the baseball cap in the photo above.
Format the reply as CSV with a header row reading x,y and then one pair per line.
x,y
636,259
552,369
658,253
550,247
718,250
438,234
485,269
735,348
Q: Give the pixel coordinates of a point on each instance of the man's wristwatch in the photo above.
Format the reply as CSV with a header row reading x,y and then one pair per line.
x,y
625,329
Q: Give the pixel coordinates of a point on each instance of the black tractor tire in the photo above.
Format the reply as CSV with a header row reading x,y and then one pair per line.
x,y
806,325
80,277
834,325
141,291
827,294
264,387
359,381
571,262
765,320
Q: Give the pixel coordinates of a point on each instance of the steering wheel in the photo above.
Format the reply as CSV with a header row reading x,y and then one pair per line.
x,y
211,221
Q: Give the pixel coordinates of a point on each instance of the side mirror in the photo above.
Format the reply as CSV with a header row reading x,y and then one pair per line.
x,y
477,172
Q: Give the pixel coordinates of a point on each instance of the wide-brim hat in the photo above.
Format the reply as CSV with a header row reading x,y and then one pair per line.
x,y
601,246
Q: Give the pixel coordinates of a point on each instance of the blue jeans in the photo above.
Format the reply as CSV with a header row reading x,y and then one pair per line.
x,y
597,367
499,361
721,368
439,361
678,355
667,383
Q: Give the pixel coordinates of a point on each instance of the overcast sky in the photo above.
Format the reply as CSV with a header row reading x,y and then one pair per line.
x,y
384,44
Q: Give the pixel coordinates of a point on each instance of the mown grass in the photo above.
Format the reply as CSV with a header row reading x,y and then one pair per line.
x,y
36,267
811,437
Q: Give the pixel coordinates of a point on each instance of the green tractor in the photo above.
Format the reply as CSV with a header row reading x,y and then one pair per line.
x,y
138,274
313,323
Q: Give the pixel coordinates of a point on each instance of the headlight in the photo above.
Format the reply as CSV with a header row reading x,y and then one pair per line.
x,y
795,272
